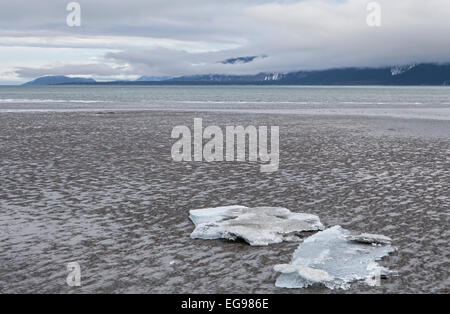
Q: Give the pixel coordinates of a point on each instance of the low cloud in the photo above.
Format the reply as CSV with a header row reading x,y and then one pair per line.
x,y
88,70
194,37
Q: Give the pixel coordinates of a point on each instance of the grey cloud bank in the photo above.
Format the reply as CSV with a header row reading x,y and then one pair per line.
x,y
172,38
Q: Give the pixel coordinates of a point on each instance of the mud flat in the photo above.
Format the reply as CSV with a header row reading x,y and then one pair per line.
x,y
102,190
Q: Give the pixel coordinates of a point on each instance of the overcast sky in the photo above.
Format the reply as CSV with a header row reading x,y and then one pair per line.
x,y
121,39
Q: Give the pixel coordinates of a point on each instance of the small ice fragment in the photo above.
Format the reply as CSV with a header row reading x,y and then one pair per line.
x,y
376,272
256,226
310,274
336,254
213,214
370,238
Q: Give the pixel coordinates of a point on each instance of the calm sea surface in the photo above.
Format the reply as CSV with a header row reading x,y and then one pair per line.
x,y
413,102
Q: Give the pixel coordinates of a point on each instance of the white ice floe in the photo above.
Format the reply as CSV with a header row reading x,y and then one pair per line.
x,y
334,257
308,273
208,215
256,226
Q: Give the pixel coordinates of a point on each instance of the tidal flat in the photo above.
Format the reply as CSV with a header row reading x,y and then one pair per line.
x,y
100,188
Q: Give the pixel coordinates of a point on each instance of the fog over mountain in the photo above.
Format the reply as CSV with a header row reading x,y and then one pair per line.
x,y
120,40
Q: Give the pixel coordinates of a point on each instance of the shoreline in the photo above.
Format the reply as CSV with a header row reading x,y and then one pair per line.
x,y
429,128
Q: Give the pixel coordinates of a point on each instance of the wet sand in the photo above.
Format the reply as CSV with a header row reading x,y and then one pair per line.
x,y
101,189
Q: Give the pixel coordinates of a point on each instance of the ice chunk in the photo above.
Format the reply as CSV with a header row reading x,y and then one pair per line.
x,y
310,274
256,226
334,253
376,272
207,215
368,238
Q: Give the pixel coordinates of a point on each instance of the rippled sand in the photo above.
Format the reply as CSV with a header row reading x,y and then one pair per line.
x,y
102,189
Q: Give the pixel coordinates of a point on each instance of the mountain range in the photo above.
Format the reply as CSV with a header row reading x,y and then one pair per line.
x,y
413,74
57,80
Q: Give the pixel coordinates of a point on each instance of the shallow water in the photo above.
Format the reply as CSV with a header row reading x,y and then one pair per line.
x,y
100,188
402,102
